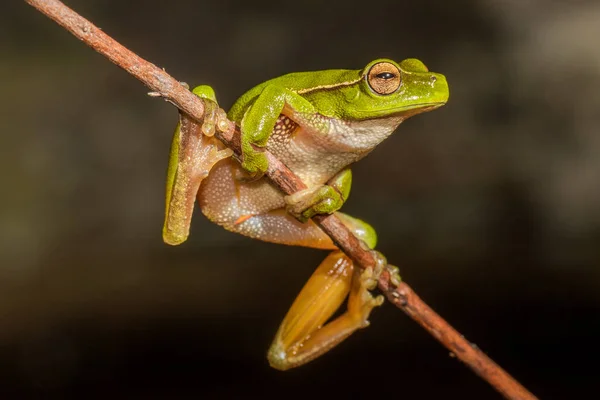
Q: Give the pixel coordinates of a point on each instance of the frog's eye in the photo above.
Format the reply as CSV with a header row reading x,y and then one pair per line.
x,y
384,78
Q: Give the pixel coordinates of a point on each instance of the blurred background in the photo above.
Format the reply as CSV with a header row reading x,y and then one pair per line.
x,y
489,205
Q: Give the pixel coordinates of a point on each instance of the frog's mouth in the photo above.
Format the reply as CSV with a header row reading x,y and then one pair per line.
x,y
405,112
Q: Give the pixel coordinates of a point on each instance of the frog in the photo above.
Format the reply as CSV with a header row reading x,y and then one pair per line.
x,y
318,124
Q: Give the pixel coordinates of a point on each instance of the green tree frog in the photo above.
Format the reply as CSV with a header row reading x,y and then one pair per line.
x,y
317,123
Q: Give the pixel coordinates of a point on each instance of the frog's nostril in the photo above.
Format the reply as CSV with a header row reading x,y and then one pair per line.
x,y
433,78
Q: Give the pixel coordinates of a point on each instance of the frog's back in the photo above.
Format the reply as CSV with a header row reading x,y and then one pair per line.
x,y
298,82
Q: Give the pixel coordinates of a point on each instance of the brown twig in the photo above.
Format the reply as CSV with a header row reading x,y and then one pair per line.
x,y
401,295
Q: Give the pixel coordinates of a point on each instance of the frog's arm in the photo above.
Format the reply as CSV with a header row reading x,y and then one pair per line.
x,y
193,154
259,120
321,199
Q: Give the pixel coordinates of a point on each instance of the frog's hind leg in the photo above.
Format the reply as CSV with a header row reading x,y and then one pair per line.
x,y
257,209
302,336
278,226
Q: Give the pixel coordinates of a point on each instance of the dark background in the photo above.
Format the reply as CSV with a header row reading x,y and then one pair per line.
x,y
490,205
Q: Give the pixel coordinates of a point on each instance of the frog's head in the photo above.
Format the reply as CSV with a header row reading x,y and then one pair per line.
x,y
389,89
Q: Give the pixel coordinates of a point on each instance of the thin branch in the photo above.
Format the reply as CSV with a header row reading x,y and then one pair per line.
x,y
402,296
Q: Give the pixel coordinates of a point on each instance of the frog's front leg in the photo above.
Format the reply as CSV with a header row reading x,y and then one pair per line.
x,y
259,121
302,336
321,199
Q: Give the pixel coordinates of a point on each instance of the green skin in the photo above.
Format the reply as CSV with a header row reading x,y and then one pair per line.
x,y
347,97
317,123
343,95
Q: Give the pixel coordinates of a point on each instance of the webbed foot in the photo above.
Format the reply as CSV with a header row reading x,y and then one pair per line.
x,y
214,116
255,164
322,199
305,204
361,301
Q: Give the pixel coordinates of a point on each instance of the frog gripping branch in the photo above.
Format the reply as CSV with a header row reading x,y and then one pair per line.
x,y
304,202
317,123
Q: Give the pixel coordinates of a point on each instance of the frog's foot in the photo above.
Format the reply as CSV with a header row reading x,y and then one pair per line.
x,y
306,203
394,274
215,118
254,163
321,199
380,263
361,302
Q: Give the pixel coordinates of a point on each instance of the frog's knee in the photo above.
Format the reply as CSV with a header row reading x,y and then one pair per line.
x,y
205,92
277,358
360,228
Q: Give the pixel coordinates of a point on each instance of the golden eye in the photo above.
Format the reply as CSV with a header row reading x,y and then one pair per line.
x,y
384,78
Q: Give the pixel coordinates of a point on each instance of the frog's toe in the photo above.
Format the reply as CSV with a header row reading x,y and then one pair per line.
x,y
210,117
368,279
307,203
298,203
215,117
223,123
247,177
394,274
374,302
368,306
377,269
368,303
255,164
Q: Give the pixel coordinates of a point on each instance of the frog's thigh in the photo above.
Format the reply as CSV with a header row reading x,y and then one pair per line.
x,y
256,209
320,297
278,226
302,336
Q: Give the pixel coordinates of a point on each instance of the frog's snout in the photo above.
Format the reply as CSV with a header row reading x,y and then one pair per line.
x,y
439,88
